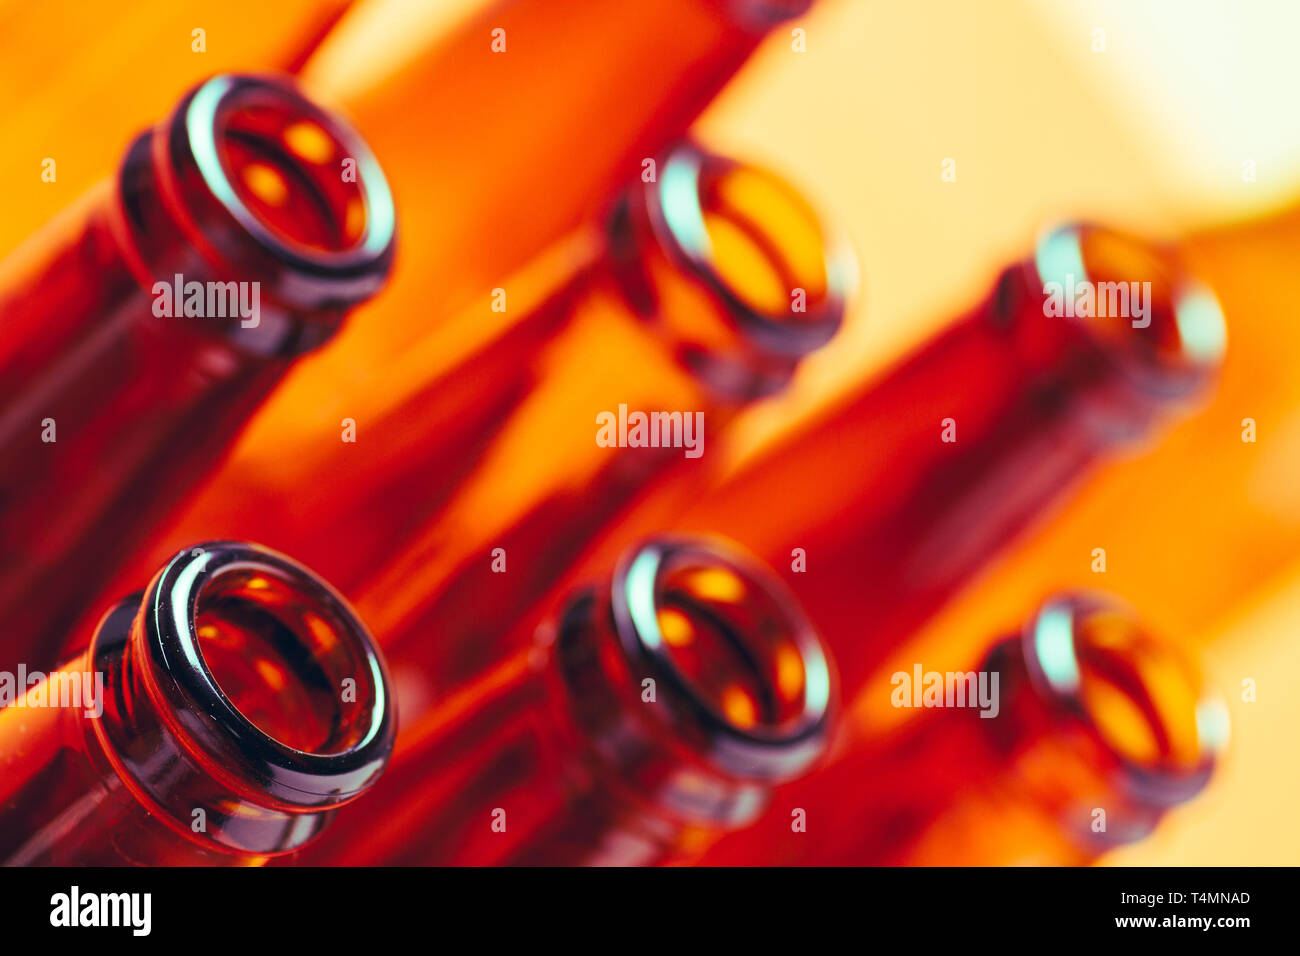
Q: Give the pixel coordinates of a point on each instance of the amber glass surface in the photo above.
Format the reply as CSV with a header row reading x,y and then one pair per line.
x,y
1099,728
117,395
237,703
651,715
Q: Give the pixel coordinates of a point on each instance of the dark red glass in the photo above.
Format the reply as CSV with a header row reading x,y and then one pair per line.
x,y
891,517
241,704
115,399
652,714
1099,729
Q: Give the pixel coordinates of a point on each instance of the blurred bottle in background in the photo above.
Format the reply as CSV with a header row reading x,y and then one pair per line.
x,y
504,125
219,718
145,325
656,711
1070,739
1192,530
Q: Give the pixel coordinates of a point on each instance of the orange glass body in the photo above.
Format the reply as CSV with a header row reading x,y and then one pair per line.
x,y
206,724
144,327
486,116
383,458
650,715
1092,731
911,483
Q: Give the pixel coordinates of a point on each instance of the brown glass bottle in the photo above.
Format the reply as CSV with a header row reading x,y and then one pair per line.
x,y
1093,730
654,713
238,703
145,325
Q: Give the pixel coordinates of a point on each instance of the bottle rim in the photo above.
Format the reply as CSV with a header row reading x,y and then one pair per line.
x,y
195,704
1197,338
763,752
309,277
1050,644
675,203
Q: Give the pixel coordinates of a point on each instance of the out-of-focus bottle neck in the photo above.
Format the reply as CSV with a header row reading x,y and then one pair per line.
x,y
695,682
242,701
732,267
1098,714
253,193
1118,321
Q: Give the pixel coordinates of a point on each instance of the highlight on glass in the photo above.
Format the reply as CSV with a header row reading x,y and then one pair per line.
x,y
226,713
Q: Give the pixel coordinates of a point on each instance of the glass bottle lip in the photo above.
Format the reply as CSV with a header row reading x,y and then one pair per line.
x,y
768,753
1197,336
675,203
1050,644
195,705
305,276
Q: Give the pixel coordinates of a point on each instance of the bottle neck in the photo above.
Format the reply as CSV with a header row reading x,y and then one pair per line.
x,y
252,215
242,699
694,682
731,267
1096,714
1116,322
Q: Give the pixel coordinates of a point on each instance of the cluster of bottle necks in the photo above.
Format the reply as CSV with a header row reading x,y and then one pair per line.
x,y
698,698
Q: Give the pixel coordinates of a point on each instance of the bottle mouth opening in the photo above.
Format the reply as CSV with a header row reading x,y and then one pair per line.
x,y
270,670
722,634
295,178
758,244
279,663
1136,299
1138,695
